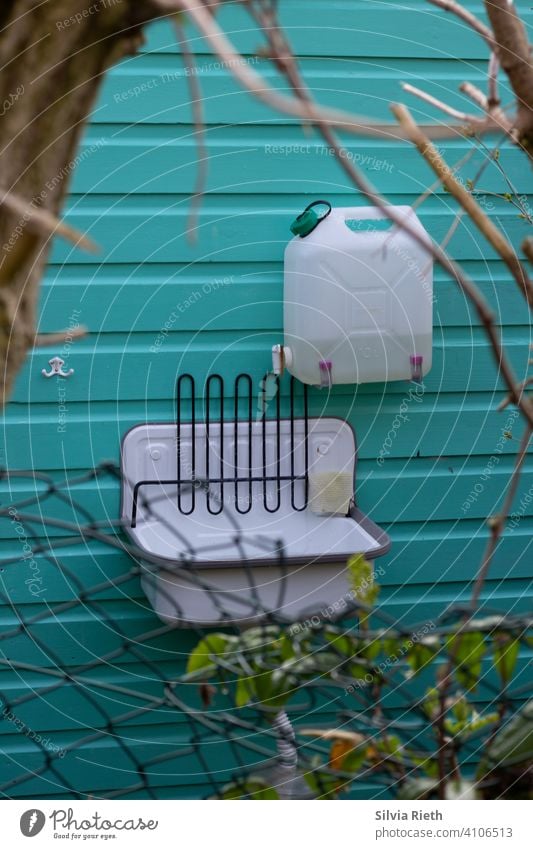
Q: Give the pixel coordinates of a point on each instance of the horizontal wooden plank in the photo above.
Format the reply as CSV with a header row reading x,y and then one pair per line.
x,y
435,428
105,762
419,556
156,90
343,28
89,704
131,371
410,493
163,159
137,299
244,229
85,636
443,494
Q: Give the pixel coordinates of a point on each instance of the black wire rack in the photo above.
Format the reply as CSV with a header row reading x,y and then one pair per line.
x,y
251,412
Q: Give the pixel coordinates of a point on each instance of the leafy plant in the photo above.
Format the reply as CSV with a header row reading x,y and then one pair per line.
x,y
438,667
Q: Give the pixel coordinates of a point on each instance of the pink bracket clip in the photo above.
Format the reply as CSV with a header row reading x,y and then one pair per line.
x,y
416,367
326,380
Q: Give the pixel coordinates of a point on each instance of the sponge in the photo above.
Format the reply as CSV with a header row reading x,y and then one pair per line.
x,y
330,493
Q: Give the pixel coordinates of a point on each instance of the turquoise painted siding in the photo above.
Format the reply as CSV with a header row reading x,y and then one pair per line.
x,y
131,193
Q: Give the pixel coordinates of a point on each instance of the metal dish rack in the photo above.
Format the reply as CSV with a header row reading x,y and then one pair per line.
x,y
214,485
224,492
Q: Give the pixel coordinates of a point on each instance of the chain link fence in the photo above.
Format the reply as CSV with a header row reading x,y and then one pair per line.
x,y
101,699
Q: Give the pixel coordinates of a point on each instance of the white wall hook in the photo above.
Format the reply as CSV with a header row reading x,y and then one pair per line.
x,y
57,368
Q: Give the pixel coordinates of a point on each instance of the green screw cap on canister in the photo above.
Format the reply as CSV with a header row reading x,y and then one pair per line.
x,y
306,222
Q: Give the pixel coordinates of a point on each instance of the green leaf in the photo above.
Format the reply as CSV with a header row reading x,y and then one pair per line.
x,y
429,766
310,777
362,583
258,793
341,643
322,783
390,744
251,788
244,691
357,670
431,702
287,649
466,651
461,709
506,653
319,663
419,656
210,647
392,647
263,685
371,649
355,759
477,722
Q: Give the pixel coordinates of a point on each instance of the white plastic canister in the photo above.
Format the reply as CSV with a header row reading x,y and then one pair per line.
x,y
358,300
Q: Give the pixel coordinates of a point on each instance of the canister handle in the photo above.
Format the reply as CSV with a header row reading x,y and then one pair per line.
x,y
369,213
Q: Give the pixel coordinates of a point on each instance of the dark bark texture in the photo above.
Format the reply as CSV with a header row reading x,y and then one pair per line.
x,y
514,52
53,57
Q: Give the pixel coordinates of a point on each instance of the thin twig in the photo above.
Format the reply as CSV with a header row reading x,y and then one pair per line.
x,y
48,340
466,16
199,130
451,267
475,94
441,736
44,221
514,191
305,111
439,104
461,212
523,385
527,248
497,523
494,67
469,204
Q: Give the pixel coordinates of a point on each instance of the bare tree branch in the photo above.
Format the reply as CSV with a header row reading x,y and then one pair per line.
x,y
44,222
48,340
439,104
494,67
305,111
484,224
451,267
466,16
497,523
527,247
513,50
475,94
199,128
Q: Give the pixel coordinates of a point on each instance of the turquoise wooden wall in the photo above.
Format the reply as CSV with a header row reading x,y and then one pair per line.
x,y
131,194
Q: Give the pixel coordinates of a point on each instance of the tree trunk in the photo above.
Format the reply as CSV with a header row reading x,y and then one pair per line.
x,y
514,53
53,57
